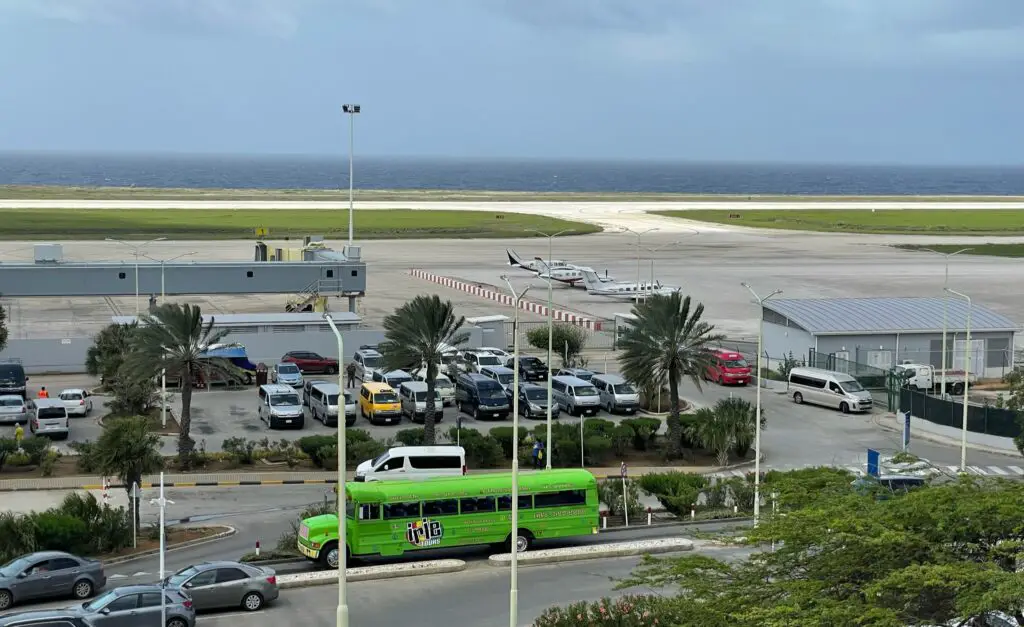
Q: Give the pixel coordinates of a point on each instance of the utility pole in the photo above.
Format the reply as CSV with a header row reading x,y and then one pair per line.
x,y
351,110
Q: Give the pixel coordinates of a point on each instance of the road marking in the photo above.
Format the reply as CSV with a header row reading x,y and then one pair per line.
x,y
1017,469
977,470
953,468
997,470
117,576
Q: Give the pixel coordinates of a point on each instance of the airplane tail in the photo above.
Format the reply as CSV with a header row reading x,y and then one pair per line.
x,y
514,260
590,280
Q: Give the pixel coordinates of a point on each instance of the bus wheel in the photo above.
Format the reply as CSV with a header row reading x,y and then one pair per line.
x,y
522,541
329,557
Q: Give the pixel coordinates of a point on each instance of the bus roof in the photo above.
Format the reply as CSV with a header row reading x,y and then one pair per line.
x,y
470,485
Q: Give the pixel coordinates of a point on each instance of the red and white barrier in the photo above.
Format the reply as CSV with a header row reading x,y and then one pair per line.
x,y
507,300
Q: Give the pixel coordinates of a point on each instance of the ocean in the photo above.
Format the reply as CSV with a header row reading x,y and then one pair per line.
x,y
280,172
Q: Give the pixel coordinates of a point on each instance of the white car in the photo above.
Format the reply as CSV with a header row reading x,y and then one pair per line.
x,y
504,354
77,401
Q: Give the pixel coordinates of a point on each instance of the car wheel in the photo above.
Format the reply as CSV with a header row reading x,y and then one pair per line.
x,y
6,600
798,398
958,389
252,602
177,622
248,378
82,589
609,408
331,370
843,407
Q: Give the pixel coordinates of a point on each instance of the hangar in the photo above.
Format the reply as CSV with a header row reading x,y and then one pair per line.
x,y
881,332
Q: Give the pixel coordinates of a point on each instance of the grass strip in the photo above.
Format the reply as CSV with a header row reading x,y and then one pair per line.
x,y
987,250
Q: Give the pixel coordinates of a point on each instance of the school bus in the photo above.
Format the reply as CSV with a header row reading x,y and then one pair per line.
x,y
390,518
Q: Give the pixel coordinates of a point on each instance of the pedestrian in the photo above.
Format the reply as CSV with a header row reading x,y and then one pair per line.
x,y
538,454
19,434
43,393
350,369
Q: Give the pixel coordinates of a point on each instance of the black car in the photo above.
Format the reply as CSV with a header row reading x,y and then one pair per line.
x,y
530,368
481,396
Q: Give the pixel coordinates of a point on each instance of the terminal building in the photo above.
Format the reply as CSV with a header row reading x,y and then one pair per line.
x,y
882,332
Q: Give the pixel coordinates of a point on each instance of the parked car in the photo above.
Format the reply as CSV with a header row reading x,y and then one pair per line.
x,y
367,361
579,373
13,408
533,401
77,402
530,368
44,618
48,416
139,606
728,368
220,585
286,374
311,362
49,575
13,379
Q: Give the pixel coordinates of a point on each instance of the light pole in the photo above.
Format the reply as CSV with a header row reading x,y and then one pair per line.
x,y
162,503
639,235
351,110
551,328
757,412
945,323
163,290
136,248
967,378
513,592
654,249
342,540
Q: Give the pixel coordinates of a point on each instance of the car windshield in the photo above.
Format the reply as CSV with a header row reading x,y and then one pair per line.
x,y
284,399
287,369
372,362
14,567
71,396
11,401
492,392
625,388
51,412
397,381
537,394
505,378
735,363
585,390
378,459
489,360
332,399
532,362
421,397
851,386
100,602
11,372
385,397
182,576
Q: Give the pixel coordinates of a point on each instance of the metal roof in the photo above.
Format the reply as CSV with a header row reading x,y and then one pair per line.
x,y
256,319
832,316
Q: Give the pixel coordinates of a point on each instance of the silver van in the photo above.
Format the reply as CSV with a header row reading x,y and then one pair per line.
x,y
575,396
501,374
323,404
413,395
393,379
443,385
829,389
616,393
280,407
48,416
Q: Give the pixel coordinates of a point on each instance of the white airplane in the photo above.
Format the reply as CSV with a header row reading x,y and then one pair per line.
x,y
558,270
624,291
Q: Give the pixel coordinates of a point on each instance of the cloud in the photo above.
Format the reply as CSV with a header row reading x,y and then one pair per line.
x,y
276,18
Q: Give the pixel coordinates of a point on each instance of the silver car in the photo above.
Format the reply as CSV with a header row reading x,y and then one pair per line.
x,y
49,575
139,606
13,408
286,374
221,585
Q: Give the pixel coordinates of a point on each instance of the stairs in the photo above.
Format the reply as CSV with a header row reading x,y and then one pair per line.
x,y
312,297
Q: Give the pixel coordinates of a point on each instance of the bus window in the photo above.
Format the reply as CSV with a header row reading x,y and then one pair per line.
x,y
478,505
369,511
350,509
448,507
561,499
505,502
401,510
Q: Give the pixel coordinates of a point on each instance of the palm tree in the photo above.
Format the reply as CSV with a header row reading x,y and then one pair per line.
x,y
741,414
127,450
416,333
108,350
173,339
715,432
666,341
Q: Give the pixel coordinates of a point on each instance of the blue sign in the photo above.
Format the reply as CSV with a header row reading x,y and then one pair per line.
x,y
872,462
906,430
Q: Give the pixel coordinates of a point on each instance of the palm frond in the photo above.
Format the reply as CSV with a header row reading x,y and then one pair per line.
x,y
418,330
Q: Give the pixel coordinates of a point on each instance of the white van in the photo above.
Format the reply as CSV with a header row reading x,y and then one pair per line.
x,y
442,384
827,388
616,393
413,395
575,396
414,462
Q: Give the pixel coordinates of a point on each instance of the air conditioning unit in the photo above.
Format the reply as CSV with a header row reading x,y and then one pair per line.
x,y
49,253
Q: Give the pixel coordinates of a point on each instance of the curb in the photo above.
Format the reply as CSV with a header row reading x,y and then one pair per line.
x,y
619,549
371,573
178,484
277,562
876,419
228,531
679,523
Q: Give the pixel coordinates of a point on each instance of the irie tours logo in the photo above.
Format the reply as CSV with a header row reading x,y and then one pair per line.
x,y
424,532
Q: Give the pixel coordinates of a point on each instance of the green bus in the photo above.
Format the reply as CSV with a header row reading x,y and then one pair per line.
x,y
389,518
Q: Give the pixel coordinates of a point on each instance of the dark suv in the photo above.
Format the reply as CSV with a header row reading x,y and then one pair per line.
x,y
311,362
13,379
481,396
530,368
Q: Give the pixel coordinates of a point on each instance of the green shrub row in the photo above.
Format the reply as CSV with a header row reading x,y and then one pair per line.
x,y
680,492
79,525
626,611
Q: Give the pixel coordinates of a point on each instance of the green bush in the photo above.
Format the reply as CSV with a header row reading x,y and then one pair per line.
x,y
610,492
86,460
411,437
503,435
311,445
57,531
35,448
566,452
18,460
714,495
741,489
241,450
687,421
8,447
359,451
627,611
645,430
78,525
49,463
596,449
622,439
482,451
676,491
597,426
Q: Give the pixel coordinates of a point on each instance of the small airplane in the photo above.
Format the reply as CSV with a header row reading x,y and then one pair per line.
x,y
557,270
624,291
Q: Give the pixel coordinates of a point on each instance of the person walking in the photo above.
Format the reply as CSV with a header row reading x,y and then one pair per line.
x,y
19,434
538,455
350,370
43,393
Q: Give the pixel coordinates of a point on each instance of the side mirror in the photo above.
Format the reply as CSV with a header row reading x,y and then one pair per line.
x,y
189,585
23,574
105,611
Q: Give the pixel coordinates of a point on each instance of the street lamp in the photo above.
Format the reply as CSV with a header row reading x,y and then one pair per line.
x,y
342,540
351,110
136,248
163,291
639,234
551,326
162,503
513,592
757,412
945,286
967,378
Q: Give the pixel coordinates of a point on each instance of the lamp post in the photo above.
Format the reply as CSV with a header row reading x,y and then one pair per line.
x,y
551,326
342,618
513,592
351,110
136,248
654,249
945,324
967,378
639,235
162,503
757,412
163,289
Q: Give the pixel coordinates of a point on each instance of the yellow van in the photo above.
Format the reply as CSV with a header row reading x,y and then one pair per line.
x,y
378,403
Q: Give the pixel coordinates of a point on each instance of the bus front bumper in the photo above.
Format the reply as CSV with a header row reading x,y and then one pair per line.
x,y
308,552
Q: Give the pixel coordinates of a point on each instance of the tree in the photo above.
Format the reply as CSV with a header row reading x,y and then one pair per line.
x,y
714,432
415,334
127,450
741,414
1016,404
3,327
567,341
173,339
668,341
942,554
132,394
109,349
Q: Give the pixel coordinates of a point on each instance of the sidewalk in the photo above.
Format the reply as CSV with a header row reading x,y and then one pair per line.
x,y
890,422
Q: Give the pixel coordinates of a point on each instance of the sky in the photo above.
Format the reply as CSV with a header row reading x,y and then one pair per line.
x,y
836,81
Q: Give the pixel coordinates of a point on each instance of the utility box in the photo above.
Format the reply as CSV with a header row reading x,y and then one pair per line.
x,y
353,253
49,253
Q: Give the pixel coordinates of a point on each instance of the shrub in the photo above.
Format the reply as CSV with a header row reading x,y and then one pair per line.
x,y
741,490
241,450
627,611
311,445
78,525
610,492
410,437
8,447
288,540
596,449
714,494
645,430
359,451
35,448
622,438
503,435
86,459
131,395
566,452
49,463
687,441
597,426
18,460
482,451
57,531
676,491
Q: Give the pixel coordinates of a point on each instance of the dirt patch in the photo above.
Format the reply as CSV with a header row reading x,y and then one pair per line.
x,y
173,535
